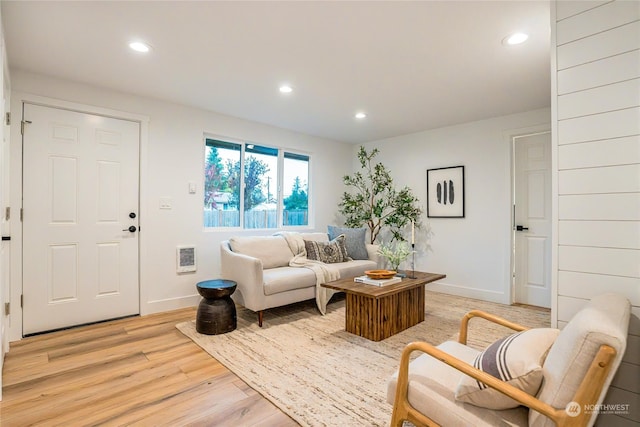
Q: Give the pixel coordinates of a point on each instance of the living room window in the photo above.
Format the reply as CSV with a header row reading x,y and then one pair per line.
x,y
260,187
296,190
272,191
221,183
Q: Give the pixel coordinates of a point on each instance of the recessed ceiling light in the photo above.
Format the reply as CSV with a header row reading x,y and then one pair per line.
x,y
139,47
286,89
516,38
361,115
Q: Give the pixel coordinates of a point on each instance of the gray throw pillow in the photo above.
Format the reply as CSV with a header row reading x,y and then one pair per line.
x,y
355,240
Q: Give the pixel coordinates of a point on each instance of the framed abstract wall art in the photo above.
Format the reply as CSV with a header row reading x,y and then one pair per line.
x,y
445,192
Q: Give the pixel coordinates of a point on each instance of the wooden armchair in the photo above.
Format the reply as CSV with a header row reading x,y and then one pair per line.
x,y
577,371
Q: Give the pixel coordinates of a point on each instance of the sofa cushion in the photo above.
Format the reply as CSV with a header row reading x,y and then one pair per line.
x,y
516,359
273,251
329,252
354,268
315,237
355,240
282,279
431,391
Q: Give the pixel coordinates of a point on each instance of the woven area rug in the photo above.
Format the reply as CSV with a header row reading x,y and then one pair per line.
x,y
320,375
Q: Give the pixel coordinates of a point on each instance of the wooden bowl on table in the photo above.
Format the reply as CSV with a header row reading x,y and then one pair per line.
x,y
380,274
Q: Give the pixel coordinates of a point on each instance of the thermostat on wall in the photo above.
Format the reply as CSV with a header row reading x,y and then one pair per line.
x,y
186,259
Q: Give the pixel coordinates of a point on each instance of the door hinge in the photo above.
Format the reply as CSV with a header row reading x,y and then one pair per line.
x,y
7,213
21,301
22,123
21,214
7,118
7,308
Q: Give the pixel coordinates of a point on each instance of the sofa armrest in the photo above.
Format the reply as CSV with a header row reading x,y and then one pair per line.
x,y
372,251
246,271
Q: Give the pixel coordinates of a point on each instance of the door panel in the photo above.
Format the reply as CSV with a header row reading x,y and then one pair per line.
x,y
532,211
62,273
80,262
64,184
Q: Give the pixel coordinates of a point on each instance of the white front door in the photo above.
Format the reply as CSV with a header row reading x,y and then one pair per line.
x,y
4,230
80,198
532,219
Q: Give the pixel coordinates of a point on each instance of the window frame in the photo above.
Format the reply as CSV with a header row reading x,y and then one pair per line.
x,y
281,180
280,187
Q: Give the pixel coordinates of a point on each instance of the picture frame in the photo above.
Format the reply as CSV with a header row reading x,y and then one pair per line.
x,y
445,192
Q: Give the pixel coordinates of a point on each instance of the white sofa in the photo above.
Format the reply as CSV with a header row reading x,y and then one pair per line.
x,y
260,267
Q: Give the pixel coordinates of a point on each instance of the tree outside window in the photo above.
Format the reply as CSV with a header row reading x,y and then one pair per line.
x,y
296,202
260,175
260,195
221,184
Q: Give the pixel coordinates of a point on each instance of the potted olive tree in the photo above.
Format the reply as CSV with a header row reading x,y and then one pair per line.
x,y
374,201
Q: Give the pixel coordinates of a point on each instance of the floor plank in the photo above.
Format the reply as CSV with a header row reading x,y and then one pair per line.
x,y
134,371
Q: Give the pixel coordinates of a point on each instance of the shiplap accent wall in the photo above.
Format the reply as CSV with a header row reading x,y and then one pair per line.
x,y
597,138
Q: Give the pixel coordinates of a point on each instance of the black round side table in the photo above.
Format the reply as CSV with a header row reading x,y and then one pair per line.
x,y
216,312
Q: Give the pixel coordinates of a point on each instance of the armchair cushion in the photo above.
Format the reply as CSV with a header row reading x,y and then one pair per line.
x,y
516,359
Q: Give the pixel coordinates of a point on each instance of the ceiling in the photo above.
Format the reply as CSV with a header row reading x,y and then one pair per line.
x,y
410,65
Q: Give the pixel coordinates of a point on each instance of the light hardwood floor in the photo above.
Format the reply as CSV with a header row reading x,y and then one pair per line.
x,y
137,371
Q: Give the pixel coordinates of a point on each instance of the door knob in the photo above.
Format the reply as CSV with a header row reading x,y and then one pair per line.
x,y
521,228
132,215
131,229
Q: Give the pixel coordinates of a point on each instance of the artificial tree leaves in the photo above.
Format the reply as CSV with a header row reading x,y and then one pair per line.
x,y
375,202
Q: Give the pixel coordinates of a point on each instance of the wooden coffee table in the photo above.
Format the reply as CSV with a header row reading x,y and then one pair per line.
x,y
377,312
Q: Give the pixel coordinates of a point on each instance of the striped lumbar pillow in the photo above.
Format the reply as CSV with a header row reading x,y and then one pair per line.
x,y
516,359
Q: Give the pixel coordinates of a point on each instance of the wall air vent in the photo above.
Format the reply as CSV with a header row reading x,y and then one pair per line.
x,y
186,259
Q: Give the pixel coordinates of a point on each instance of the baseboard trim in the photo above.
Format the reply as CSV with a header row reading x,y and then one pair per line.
x,y
463,291
169,304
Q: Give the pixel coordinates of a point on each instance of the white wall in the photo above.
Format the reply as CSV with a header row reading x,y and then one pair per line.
x,y
172,155
474,252
596,132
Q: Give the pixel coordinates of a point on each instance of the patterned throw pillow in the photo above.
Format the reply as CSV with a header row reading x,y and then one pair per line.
x,y
516,359
327,252
355,240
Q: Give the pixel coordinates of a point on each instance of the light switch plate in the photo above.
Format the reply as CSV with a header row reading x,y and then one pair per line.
x,y
192,187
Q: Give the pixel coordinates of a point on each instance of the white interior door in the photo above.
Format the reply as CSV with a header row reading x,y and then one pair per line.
x,y
80,197
4,245
532,219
